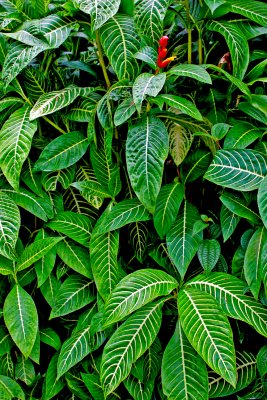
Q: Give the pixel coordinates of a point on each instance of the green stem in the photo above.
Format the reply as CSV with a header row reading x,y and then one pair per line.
x,y
54,125
200,49
189,32
101,59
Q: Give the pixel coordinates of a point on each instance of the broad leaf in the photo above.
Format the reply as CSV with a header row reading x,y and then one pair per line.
x,y
229,222
120,43
50,337
128,343
15,143
74,293
75,226
124,111
241,136
213,4
21,319
208,331
246,373
262,201
254,10
147,85
195,165
148,55
50,102
191,71
255,262
153,11
237,205
123,213
54,28
9,226
146,151
180,140
181,244
237,44
184,373
91,188
167,206
229,292
136,290
241,170
75,257
62,152
74,349
208,254
106,269
65,177
185,106
24,371
10,388
100,10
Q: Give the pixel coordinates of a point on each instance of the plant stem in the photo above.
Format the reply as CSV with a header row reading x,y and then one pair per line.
x,y
189,32
101,59
200,49
54,125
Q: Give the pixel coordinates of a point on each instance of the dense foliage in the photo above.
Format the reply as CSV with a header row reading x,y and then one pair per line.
x,y
133,199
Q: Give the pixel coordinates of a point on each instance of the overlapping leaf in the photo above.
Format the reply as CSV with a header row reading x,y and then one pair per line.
x,y
147,84
9,388
229,222
180,141
254,10
9,226
100,10
191,71
76,257
262,200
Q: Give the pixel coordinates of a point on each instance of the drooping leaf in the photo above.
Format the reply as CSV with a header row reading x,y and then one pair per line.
x,y
181,244
262,201
153,11
103,256
75,257
147,85
76,226
99,10
229,292
241,170
134,291
24,371
9,226
241,135
128,343
148,55
138,234
74,293
213,4
167,206
184,105
52,385
208,331
15,143
62,152
21,319
237,205
180,141
254,10
184,374
237,45
246,373
229,222
191,71
120,43
10,388
146,151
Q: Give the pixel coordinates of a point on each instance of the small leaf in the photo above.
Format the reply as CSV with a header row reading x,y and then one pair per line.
x,y
229,222
237,205
241,135
208,254
213,4
50,337
262,200
74,293
9,226
147,85
21,319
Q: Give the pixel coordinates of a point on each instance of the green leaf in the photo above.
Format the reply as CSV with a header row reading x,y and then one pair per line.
x,y
138,234
167,207
100,10
10,388
35,251
75,257
123,213
24,371
49,103
258,101
246,373
76,226
15,143
254,10
153,11
237,45
65,177
208,254
253,112
52,385
134,291
237,82
213,4
180,140
21,319
262,361
208,331
146,151
182,245
241,170
54,28
148,55
147,85
74,349
50,337
241,136
184,373
191,71
91,188
120,43
31,179
137,389
195,165
185,106
27,38
62,152
84,110
237,205
255,260
74,293
9,102
124,111
128,343
229,222
9,226
106,269
229,292
262,201
6,342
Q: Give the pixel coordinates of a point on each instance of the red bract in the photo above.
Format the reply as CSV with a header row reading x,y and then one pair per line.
x,y
163,42
162,53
